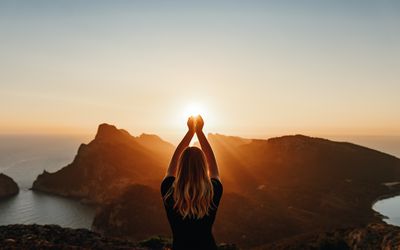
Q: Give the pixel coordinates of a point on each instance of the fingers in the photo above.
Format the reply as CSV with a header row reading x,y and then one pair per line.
x,y
195,122
191,123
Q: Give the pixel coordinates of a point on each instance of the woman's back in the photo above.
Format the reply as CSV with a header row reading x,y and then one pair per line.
x,y
192,191
191,233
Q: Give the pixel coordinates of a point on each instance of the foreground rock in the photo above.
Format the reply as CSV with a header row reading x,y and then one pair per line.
x,y
109,163
8,186
56,237
372,237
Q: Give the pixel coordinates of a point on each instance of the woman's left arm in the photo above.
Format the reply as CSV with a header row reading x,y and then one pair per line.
x,y
173,165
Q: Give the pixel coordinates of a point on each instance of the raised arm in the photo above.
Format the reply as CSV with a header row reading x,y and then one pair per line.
x,y
206,147
173,165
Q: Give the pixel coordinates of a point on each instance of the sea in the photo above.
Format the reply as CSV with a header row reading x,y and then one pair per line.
x,y
24,157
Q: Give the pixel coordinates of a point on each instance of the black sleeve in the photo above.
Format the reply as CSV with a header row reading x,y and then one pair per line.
x,y
218,190
166,184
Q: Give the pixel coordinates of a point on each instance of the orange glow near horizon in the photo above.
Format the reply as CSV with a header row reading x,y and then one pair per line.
x,y
195,109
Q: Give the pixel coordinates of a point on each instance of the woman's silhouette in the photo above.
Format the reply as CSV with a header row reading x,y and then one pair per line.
x,y
191,191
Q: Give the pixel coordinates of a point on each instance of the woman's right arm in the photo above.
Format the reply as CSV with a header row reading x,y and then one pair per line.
x,y
206,147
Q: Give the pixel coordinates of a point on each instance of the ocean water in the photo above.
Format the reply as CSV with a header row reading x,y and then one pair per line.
x,y
390,208
34,207
23,157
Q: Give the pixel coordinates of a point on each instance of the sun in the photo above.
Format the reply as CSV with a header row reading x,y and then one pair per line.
x,y
195,109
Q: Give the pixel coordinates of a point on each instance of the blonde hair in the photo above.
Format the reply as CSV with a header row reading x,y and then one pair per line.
x,y
192,189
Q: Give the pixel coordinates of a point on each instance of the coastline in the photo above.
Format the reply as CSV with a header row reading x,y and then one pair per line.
x,y
384,197
81,200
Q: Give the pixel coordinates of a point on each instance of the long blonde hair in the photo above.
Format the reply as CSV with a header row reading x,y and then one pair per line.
x,y
192,189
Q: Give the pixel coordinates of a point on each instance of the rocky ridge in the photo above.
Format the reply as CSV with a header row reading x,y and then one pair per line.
x,y
109,163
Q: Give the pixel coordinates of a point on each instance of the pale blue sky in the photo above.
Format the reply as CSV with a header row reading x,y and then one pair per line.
x,y
257,67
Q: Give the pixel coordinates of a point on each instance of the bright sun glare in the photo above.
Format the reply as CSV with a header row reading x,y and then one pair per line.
x,y
194,109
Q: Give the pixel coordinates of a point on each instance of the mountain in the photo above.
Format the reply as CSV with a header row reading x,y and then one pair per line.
x,y
276,188
298,184
109,163
8,186
293,161
273,189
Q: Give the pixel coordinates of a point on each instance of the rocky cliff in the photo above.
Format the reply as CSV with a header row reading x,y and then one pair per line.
x,y
109,163
8,186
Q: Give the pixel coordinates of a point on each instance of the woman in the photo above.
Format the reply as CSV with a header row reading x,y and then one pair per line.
x,y
191,191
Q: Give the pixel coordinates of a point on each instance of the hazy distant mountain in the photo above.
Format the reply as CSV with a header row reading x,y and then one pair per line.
x,y
274,188
8,186
113,160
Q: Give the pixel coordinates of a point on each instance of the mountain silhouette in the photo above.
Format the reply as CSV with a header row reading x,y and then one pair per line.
x,y
110,162
274,189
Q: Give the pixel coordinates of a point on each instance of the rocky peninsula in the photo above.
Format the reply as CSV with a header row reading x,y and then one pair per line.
x,y
8,187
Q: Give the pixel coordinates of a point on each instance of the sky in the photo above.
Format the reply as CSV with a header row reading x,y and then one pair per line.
x,y
253,68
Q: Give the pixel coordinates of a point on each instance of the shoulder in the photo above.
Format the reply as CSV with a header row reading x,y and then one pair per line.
x,y
166,184
216,181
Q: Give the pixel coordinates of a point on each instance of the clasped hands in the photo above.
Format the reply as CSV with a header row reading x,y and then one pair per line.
x,y
195,124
